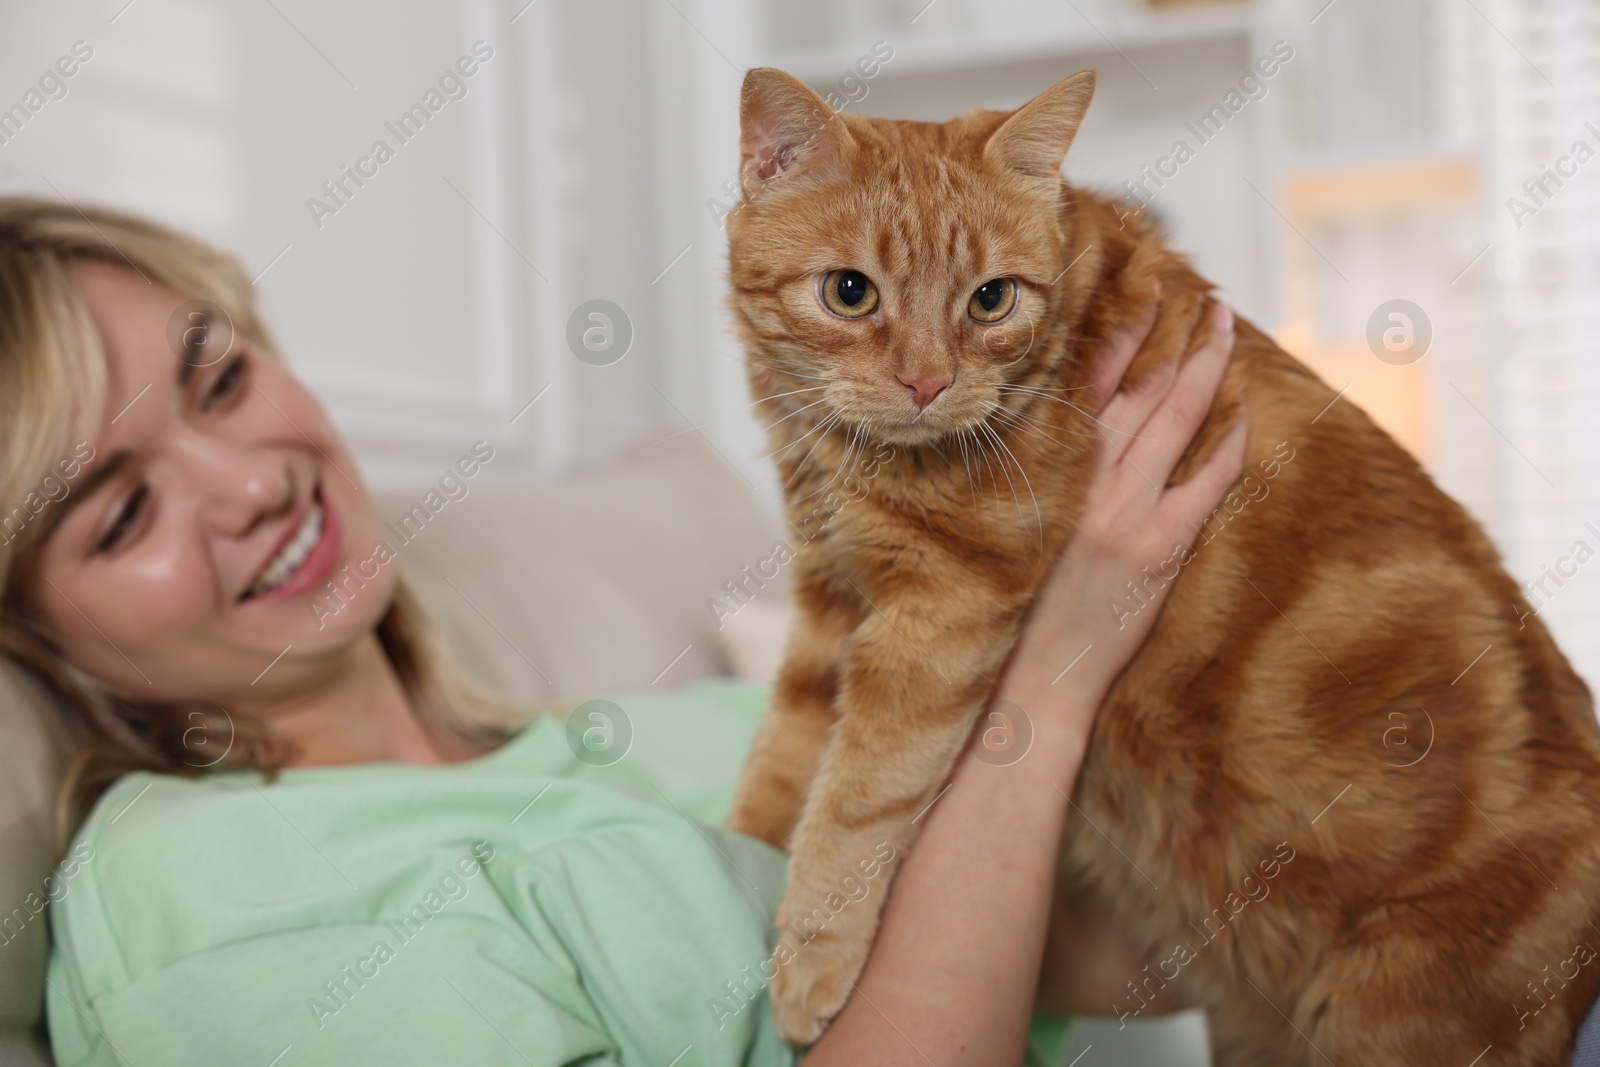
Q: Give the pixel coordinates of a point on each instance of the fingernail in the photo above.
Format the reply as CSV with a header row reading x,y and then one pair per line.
x,y
1222,316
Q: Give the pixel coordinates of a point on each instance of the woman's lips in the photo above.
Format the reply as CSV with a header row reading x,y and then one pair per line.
x,y
318,563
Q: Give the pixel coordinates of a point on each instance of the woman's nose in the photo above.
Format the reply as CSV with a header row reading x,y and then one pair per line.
x,y
238,485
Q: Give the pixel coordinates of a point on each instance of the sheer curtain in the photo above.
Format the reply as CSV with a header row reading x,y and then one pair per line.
x,y
1541,80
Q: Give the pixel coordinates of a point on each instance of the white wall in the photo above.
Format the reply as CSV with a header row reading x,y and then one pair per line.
x,y
431,307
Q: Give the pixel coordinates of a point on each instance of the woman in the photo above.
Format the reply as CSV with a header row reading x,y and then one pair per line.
x,y
418,882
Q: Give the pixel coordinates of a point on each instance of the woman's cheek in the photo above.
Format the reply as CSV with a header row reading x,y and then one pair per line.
x,y
129,623
164,589
293,414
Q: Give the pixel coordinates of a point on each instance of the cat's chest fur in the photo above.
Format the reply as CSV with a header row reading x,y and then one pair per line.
x,y
998,509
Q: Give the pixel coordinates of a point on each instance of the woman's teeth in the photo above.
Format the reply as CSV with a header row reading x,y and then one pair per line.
x,y
287,561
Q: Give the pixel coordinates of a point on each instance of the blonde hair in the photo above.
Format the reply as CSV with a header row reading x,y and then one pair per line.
x,y
53,382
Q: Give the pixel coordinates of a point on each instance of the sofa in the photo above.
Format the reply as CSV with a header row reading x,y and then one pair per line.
x,y
547,594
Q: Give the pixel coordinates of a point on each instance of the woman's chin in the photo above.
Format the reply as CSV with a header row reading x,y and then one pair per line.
x,y
350,609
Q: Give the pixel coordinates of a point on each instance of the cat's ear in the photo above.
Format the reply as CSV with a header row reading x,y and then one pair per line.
x,y
1035,139
783,125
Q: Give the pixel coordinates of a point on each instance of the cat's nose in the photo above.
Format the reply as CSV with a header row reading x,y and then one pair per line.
x,y
924,390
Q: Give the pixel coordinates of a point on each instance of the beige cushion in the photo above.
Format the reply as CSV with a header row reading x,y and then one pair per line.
x,y
597,584
757,634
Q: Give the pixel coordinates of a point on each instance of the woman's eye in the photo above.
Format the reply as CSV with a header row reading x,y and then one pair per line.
x,y
125,520
849,293
227,382
993,300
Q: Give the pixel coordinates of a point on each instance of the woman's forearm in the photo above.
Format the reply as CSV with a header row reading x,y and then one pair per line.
x,y
952,976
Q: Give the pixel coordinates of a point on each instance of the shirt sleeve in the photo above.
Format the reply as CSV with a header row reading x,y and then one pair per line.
x,y
358,993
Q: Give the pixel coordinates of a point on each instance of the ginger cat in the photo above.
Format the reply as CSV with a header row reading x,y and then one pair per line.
x,y
1326,895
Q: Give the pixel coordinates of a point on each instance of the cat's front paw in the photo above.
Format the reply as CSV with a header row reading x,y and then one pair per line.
x,y
809,990
817,969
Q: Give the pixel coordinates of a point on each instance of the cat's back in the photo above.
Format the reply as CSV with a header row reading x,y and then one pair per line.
x,y
1336,585
1345,670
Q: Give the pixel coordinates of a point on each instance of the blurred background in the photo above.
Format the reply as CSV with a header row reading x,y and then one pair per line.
x,y
1404,192
1401,190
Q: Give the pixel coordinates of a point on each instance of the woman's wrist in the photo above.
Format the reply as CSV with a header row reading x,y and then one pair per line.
x,y
1059,707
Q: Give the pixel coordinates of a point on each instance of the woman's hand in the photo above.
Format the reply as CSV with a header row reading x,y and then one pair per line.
x,y
1086,625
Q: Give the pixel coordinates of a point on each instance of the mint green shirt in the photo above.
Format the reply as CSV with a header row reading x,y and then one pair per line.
x,y
524,908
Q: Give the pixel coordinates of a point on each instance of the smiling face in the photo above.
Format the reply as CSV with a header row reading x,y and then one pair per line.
x,y
900,273
186,554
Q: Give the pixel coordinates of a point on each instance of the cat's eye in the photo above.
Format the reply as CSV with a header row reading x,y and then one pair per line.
x,y
849,293
993,300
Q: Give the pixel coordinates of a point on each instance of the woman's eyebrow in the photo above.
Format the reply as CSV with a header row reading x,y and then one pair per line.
x,y
86,485
194,343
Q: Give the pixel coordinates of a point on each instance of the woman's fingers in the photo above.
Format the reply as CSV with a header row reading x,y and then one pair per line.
x,y
1183,506
1131,526
1124,346
1166,434
1130,409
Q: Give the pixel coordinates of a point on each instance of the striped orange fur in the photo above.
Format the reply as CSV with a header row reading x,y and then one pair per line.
x,y
1425,905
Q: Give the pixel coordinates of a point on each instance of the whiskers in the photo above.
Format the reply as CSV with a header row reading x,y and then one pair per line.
x,y
791,392
981,443
798,411
1043,394
855,445
846,462
983,434
829,420
780,365
1033,426
1030,393
991,449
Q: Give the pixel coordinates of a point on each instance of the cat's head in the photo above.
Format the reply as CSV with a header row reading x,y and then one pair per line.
x,y
903,272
